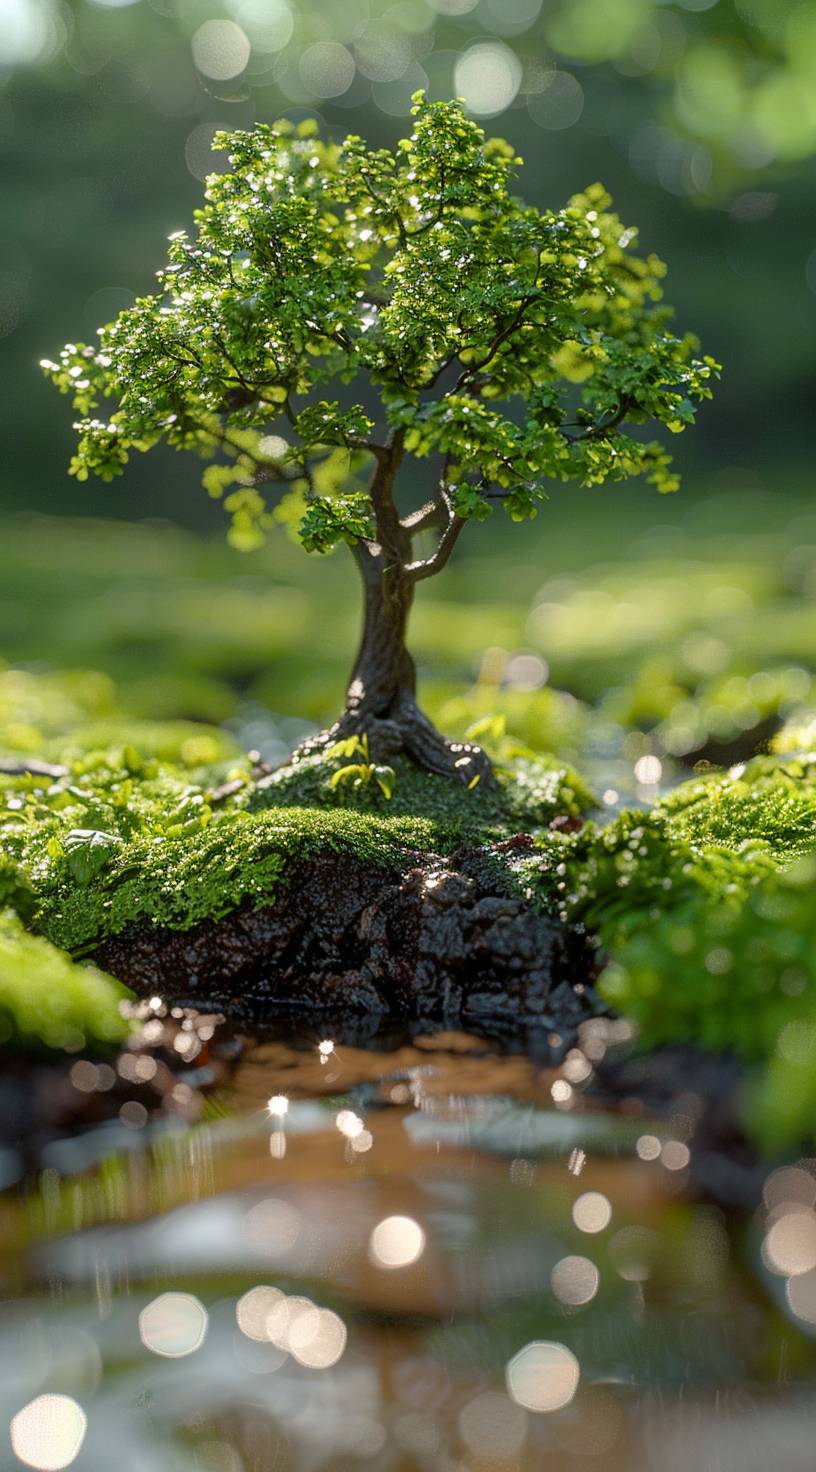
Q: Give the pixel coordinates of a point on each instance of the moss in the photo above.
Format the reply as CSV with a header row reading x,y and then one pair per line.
x,y
48,1000
529,792
727,975
126,838
713,839
708,926
740,978
709,934
177,881
767,799
624,875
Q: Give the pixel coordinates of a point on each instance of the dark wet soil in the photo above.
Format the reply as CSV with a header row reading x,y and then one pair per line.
x,y
438,942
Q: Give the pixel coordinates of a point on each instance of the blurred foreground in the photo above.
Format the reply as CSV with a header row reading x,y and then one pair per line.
x,y
428,1259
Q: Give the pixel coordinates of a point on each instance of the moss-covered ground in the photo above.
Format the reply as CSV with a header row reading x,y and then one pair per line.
x,y
702,904
687,641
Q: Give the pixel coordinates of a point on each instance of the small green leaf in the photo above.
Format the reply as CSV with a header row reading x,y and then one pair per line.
x,y
88,851
386,779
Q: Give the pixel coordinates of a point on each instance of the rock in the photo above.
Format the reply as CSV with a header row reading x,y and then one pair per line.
x,y
434,943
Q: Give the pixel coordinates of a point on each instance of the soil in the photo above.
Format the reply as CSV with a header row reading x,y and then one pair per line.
x,y
438,943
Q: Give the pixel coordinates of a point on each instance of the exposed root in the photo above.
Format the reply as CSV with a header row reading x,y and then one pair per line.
x,y
405,730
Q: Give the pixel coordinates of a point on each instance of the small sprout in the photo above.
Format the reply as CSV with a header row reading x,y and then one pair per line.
x,y
363,773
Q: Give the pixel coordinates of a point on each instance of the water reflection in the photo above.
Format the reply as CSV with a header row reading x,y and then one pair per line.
x,y
404,1259
48,1432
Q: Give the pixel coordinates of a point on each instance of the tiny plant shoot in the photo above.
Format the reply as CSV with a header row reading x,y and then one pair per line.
x,y
341,311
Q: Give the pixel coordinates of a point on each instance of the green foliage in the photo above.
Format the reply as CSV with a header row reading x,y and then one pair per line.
x,y
344,519
766,799
314,263
623,876
362,773
709,843
728,972
706,928
47,1000
153,848
68,715
121,838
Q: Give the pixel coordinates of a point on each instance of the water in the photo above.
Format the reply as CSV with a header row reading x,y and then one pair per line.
x,y
431,1256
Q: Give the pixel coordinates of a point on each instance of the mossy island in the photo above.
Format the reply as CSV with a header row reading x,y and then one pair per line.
x,y
507,907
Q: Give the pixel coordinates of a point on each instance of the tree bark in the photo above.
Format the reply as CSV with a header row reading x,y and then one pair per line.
x,y
381,696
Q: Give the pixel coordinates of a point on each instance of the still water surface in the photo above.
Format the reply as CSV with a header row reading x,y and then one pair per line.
x,y
422,1255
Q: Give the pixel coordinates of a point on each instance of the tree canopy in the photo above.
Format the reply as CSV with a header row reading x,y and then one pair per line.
x,y
515,346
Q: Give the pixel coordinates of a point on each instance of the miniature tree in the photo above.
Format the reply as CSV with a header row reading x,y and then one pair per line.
x,y
502,345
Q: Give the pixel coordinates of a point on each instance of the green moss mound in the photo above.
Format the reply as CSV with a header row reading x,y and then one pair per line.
x,y
529,792
705,908
48,1000
124,838
737,977
703,905
766,799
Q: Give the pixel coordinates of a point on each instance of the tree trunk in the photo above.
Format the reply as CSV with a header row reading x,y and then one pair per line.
x,y
381,696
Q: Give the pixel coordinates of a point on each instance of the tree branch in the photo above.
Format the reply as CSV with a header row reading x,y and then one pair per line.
x,y
426,516
393,213
597,431
438,506
473,369
418,571
367,556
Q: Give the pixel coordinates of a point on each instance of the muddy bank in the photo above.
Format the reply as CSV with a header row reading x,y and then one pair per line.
x,y
437,941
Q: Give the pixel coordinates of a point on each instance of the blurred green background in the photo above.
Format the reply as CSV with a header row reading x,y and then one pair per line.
x,y
684,621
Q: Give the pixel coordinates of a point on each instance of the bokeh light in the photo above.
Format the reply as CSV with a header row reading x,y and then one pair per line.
x,y
396,1242
493,1427
632,1251
789,1247
327,69
675,1155
591,1212
317,1341
48,1433
221,49
800,1292
268,23
173,1325
253,1309
349,1124
272,1227
30,30
487,76
558,103
575,1280
543,1376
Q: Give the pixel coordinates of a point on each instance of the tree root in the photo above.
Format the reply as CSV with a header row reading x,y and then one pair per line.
x,y
405,731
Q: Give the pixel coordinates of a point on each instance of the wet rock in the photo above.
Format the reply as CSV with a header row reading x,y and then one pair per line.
x,y
434,943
